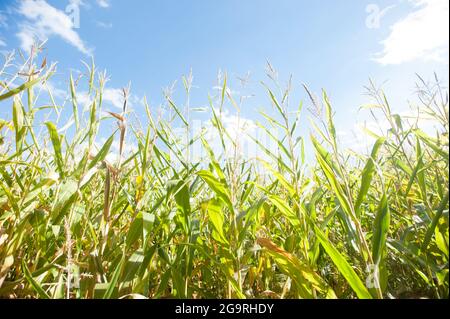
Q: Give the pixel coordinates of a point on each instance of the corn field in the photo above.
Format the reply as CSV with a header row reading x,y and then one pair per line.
x,y
153,223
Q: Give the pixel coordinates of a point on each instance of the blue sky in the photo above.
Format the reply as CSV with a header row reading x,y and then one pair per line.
x,y
336,45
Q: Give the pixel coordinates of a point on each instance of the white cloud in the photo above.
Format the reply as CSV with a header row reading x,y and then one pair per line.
x,y
113,96
104,25
423,34
84,99
55,91
103,3
357,138
2,43
113,156
129,148
3,20
44,21
241,130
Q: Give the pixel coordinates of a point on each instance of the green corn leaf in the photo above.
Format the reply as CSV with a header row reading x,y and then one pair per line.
x,y
101,155
304,278
20,88
434,223
74,102
219,188
367,174
216,217
18,121
180,115
343,266
114,279
135,231
331,177
36,286
56,142
381,228
285,210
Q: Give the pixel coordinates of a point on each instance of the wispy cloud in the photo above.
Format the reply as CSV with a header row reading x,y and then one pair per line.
x,y
44,21
357,139
103,3
53,88
243,131
3,20
113,96
423,34
104,25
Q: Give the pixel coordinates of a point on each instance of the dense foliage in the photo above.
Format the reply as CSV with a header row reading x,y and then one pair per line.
x,y
154,223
